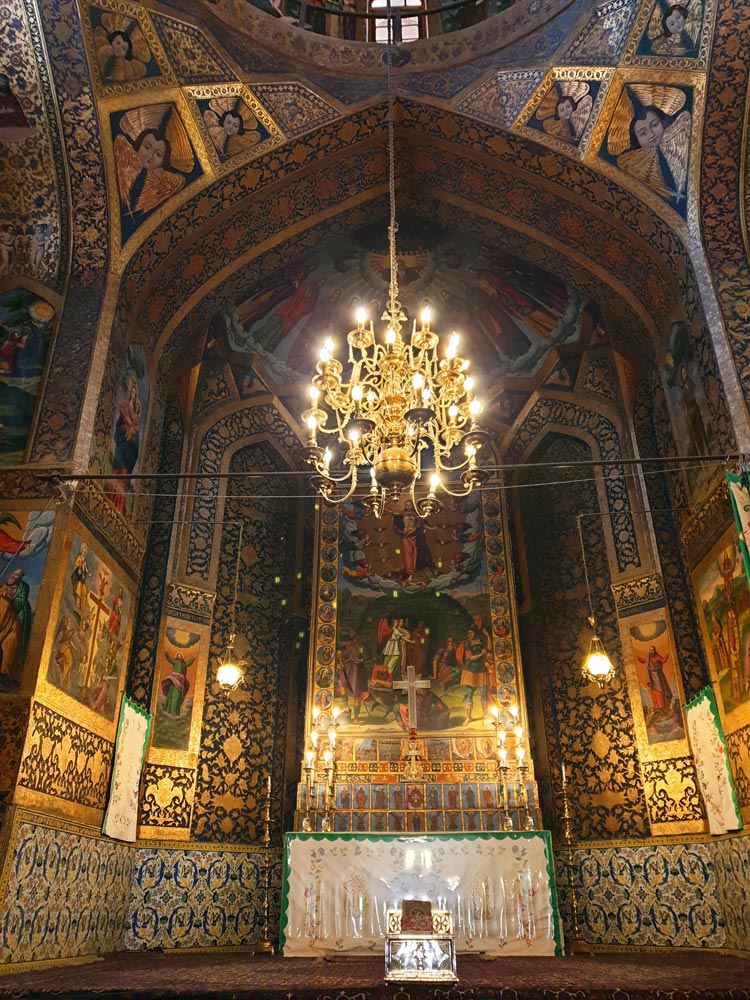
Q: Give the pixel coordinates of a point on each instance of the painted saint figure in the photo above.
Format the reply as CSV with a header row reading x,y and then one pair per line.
x,y
658,685
176,686
472,656
15,625
78,576
415,553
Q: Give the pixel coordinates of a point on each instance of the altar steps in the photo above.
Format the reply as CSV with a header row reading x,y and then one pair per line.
x,y
238,976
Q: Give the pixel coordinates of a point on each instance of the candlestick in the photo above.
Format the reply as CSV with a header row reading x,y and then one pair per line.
x,y
575,946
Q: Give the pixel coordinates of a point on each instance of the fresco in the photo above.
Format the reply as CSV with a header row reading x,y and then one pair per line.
x,y
232,126
673,30
26,323
24,541
655,670
690,413
123,54
87,653
724,598
127,434
175,689
154,160
649,138
510,312
409,593
566,110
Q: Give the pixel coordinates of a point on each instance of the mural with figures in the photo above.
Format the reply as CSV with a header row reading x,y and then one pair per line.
x,y
24,543
413,593
510,312
657,684
127,434
89,643
26,323
725,603
176,689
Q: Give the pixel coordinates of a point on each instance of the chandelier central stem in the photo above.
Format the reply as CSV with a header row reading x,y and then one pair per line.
x,y
393,306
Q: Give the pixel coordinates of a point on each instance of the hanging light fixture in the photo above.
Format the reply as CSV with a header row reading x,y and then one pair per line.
x,y
229,668
597,666
397,398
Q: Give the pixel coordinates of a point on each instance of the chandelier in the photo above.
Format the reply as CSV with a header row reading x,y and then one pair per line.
x,y
393,400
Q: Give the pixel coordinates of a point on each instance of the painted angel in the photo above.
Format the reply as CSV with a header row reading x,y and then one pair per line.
x,y
152,155
232,126
674,28
650,119
566,109
122,51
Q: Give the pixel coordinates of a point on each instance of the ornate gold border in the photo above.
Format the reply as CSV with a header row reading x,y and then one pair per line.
x,y
646,74
53,697
182,758
739,716
602,73
169,95
699,61
139,14
276,138
647,751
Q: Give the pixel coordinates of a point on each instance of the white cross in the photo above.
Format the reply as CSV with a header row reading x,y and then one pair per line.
x,y
410,685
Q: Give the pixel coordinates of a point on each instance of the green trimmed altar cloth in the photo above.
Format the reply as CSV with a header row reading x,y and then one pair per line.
x,y
499,887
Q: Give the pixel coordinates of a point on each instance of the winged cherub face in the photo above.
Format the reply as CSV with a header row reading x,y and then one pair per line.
x,y
232,124
674,22
649,130
152,152
120,45
565,108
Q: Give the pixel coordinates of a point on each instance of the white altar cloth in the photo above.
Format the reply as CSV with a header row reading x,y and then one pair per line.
x,y
500,888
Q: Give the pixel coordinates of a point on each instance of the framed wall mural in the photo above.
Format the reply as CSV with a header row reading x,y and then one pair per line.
x,y
129,425
87,655
396,592
26,325
724,599
659,690
179,688
24,543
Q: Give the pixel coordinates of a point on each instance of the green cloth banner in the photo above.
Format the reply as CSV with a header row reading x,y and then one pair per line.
x,y
739,494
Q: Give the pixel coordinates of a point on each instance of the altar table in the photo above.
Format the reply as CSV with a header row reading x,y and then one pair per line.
x,y
500,888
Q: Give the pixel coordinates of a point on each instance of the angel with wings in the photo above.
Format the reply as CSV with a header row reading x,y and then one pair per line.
x,y
152,156
232,125
121,49
674,28
650,136
565,109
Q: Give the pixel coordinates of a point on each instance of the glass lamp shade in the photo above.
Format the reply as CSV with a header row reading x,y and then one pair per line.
x,y
228,674
597,666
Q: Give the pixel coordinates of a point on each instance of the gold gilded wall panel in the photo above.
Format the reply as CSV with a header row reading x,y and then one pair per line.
x,y
738,749
704,527
672,796
64,761
14,718
166,801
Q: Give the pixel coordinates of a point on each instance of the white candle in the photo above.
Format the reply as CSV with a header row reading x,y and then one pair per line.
x,y
563,773
268,786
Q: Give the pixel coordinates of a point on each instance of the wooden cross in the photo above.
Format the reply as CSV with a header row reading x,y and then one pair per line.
x,y
410,685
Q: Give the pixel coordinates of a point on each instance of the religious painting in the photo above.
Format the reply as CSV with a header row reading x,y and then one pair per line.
x,y
14,125
24,542
154,160
724,599
123,54
673,30
26,325
508,312
649,138
127,433
690,414
89,641
176,687
234,123
412,594
655,670
566,110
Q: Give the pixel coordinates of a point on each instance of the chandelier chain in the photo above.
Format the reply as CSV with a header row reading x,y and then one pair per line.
x,y
394,305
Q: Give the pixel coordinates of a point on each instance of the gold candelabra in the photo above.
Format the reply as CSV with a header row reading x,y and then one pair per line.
x,y
320,772
513,773
576,946
264,945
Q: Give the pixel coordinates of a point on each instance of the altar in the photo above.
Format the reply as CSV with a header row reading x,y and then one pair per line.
x,y
499,888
